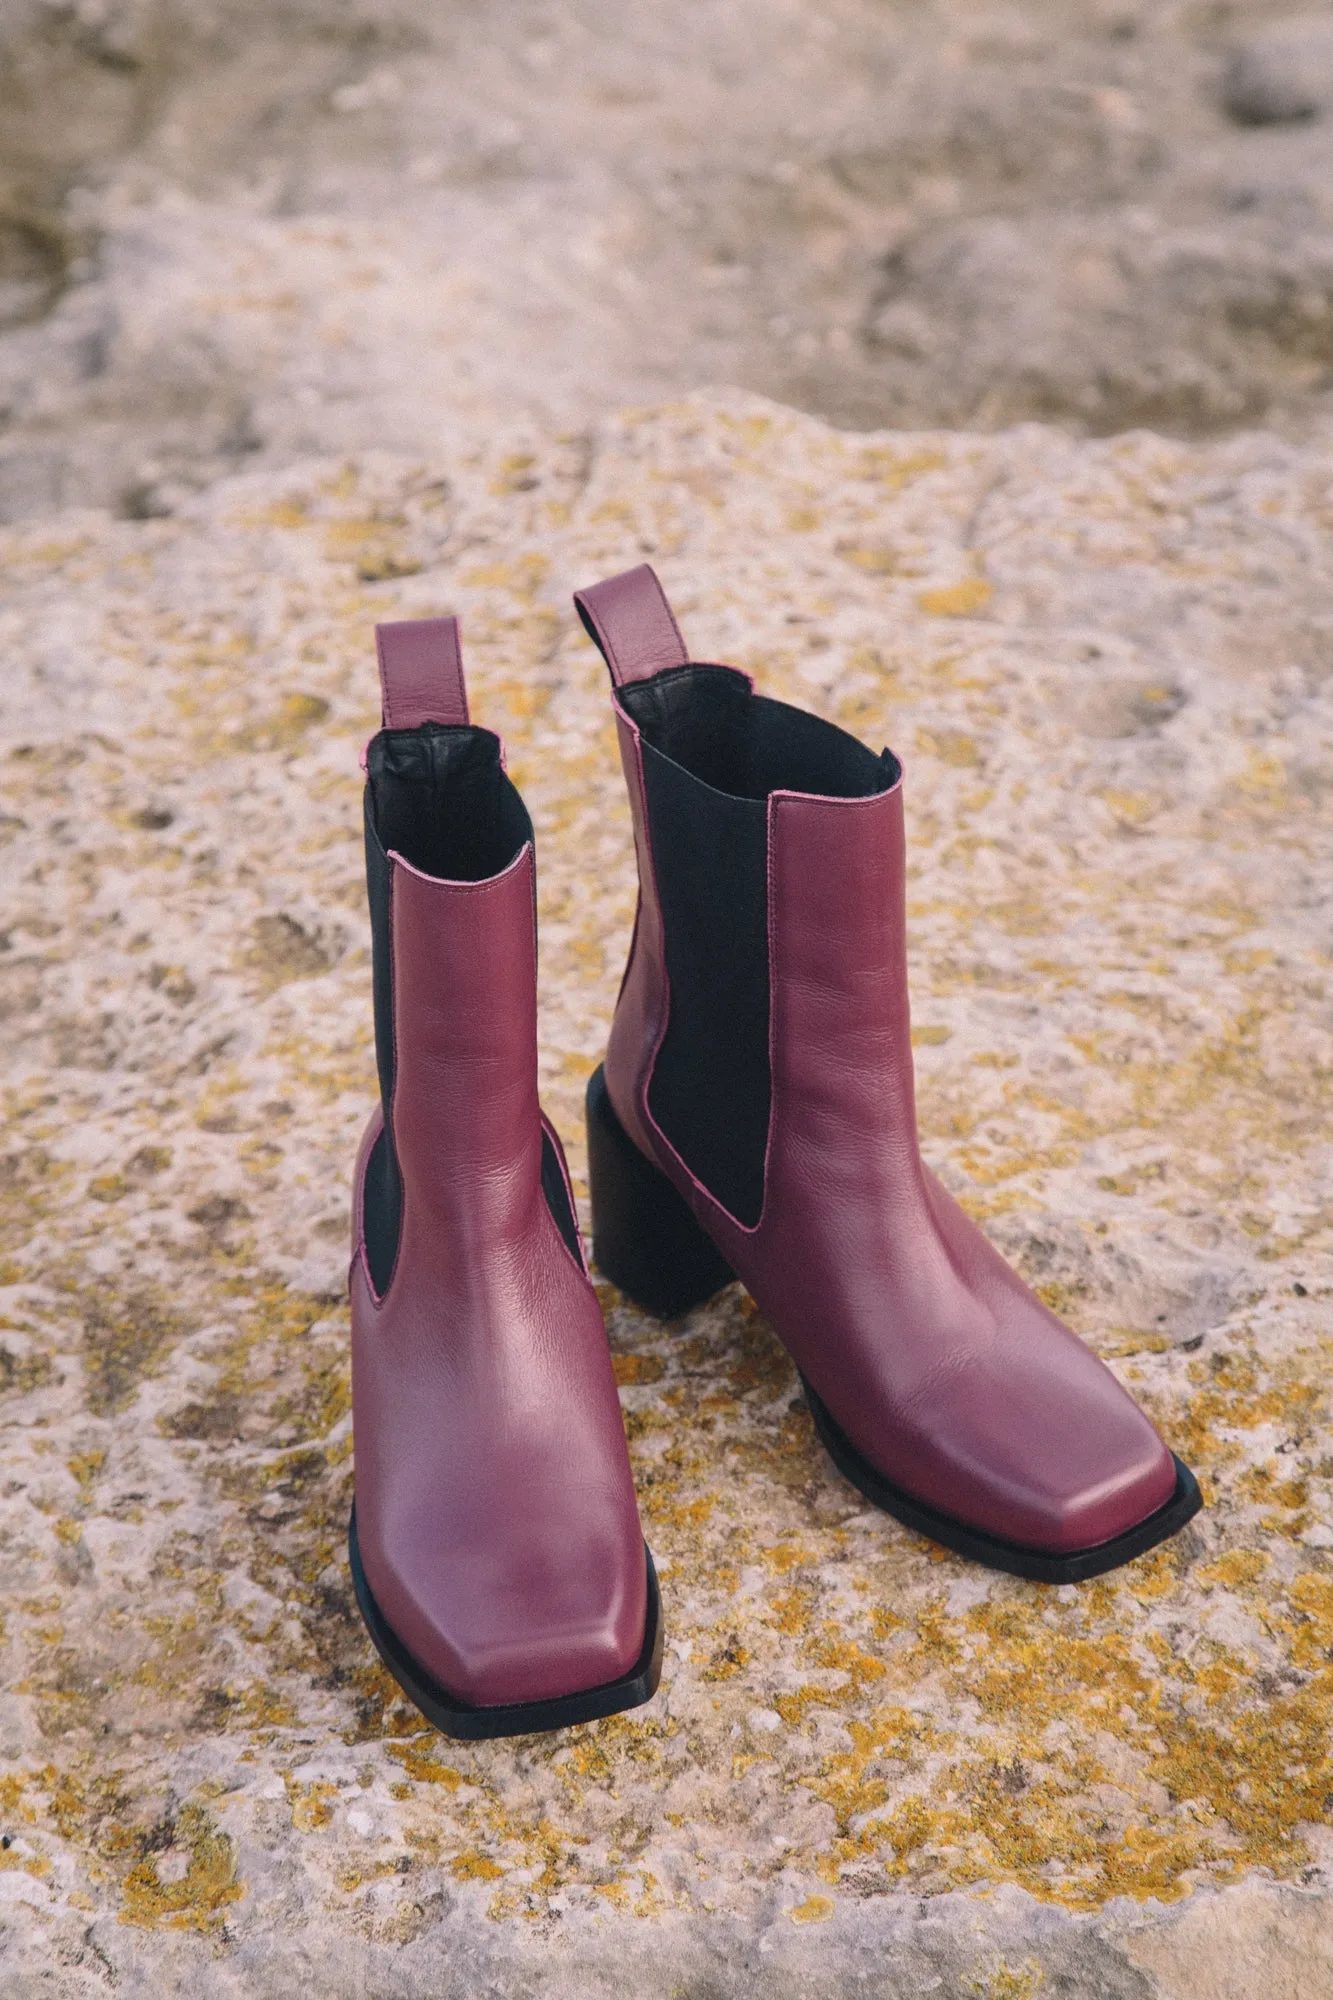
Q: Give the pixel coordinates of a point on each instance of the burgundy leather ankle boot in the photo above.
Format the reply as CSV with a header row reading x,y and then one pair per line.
x,y
495,1540
755,1118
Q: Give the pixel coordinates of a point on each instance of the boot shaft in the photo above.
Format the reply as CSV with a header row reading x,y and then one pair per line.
x,y
769,954
762,1032
496,1549
451,885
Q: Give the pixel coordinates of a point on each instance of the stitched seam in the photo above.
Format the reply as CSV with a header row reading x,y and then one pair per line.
x,y
544,1124
770,931
633,947
359,1199
377,1302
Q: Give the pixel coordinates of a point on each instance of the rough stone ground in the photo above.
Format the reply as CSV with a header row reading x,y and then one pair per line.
x,y
430,245
872,1769
239,230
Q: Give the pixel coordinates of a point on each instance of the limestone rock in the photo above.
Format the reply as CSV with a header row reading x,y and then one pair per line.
x,y
871,1767
1282,74
243,234
1110,315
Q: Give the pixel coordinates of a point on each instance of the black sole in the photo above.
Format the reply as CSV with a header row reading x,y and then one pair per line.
x,y
521,1718
1012,1557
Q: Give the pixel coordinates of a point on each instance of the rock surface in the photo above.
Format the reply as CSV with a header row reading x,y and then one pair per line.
x,y
1283,74
257,229
872,1769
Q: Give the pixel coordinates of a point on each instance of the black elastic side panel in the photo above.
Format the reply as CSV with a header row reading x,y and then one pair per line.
x,y
710,1085
713,751
557,1196
382,1211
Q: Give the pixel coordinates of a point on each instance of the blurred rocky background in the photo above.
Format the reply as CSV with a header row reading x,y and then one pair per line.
x,y
234,232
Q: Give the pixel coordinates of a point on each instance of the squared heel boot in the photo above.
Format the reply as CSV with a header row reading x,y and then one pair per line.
x,y
755,1118
495,1541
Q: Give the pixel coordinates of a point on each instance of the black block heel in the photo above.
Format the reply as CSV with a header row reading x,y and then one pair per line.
x,y
644,1238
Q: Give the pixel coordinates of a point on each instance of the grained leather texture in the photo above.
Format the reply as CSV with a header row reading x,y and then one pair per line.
x,y
934,1357
421,672
632,625
495,1509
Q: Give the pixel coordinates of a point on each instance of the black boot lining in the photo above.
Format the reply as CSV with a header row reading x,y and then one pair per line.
x,y
710,722
713,751
438,796
709,1090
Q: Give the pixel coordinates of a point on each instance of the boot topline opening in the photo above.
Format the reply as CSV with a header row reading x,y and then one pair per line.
x,y
710,722
438,796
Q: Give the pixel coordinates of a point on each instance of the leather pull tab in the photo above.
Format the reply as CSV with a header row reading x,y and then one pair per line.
x,y
421,672
631,624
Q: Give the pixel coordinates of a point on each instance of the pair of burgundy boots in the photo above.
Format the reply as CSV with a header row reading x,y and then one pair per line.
x,y
754,1119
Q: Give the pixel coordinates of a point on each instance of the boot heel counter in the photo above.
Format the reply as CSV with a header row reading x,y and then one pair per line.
x,y
644,1238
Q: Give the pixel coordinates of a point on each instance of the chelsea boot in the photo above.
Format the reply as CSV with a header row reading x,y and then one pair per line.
x,y
755,1119
495,1541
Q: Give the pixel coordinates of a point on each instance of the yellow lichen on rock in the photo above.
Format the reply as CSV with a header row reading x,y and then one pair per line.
x,y
195,1900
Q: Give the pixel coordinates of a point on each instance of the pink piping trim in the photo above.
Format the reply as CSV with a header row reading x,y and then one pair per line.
x,y
397,1078
464,888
